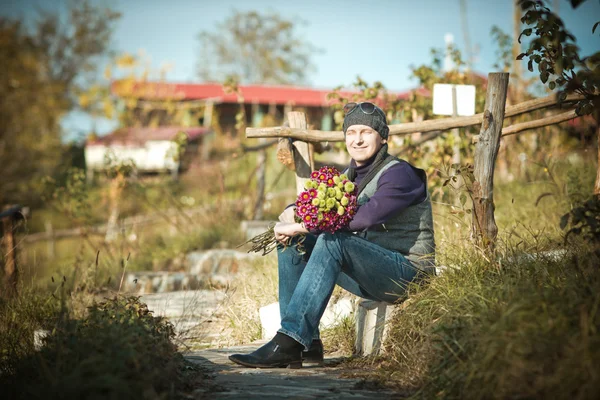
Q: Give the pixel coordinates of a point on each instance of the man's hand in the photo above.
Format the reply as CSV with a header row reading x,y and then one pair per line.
x,y
286,230
288,215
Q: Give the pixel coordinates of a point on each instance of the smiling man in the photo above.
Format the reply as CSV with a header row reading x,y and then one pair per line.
x,y
388,244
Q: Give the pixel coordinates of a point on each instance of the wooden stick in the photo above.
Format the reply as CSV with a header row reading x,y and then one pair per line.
x,y
538,123
261,146
483,228
302,157
285,153
409,127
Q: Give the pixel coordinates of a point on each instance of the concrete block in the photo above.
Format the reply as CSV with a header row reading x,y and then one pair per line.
x,y
371,325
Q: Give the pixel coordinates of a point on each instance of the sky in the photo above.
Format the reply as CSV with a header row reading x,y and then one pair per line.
x,y
376,40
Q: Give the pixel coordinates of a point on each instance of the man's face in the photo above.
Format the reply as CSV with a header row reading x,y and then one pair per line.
x,y
363,142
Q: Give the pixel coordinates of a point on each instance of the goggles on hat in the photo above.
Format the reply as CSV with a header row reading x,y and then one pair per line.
x,y
365,107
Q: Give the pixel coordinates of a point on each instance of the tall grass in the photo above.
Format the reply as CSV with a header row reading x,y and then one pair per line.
x,y
520,328
520,323
255,286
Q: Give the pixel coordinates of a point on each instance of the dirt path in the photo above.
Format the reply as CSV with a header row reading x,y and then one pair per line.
x,y
231,381
236,382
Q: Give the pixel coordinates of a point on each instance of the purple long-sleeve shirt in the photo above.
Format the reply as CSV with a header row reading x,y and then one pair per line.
x,y
398,187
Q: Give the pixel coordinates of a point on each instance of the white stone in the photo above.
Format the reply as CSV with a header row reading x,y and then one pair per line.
x,y
38,338
208,262
270,320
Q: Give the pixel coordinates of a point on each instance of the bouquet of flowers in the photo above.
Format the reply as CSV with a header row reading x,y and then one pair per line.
x,y
327,204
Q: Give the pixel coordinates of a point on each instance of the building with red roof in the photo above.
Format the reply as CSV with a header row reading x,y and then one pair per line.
x,y
258,100
203,108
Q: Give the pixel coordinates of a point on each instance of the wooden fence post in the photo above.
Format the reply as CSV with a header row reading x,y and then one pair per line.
x,y
51,245
10,279
302,157
597,184
484,229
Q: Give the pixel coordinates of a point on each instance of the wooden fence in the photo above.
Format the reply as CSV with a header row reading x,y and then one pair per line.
x,y
487,143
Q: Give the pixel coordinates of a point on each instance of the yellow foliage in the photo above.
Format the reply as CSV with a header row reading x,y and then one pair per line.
x,y
108,108
108,72
84,100
126,61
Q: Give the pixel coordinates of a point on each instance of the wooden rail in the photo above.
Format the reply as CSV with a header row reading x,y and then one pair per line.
x,y
309,135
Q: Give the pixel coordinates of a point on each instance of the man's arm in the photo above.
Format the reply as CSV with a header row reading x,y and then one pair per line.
x,y
398,188
288,214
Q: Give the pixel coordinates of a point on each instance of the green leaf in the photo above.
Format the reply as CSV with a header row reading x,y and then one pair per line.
x,y
564,220
562,96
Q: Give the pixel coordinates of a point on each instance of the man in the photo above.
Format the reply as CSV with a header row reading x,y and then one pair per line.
x,y
388,244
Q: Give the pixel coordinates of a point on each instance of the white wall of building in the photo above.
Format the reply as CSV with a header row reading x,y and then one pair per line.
x,y
154,155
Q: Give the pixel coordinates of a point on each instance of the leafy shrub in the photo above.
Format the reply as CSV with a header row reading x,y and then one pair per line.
x,y
19,318
118,351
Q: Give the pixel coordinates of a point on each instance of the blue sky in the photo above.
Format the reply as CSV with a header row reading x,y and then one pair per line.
x,y
378,40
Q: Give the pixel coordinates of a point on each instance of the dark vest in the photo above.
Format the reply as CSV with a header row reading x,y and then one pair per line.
x,y
410,231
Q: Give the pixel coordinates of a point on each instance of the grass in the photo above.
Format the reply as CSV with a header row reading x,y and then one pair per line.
x,y
255,286
523,328
217,186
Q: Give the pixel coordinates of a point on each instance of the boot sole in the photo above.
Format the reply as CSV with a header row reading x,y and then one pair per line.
x,y
292,365
320,362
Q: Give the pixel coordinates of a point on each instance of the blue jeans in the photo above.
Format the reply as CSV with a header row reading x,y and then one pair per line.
x,y
306,281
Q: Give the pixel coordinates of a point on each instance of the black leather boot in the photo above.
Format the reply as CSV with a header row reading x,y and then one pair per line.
x,y
271,355
314,355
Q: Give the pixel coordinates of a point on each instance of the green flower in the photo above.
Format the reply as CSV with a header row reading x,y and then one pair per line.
x,y
349,187
330,192
322,203
315,201
345,201
336,179
321,194
330,203
341,210
344,177
338,194
340,185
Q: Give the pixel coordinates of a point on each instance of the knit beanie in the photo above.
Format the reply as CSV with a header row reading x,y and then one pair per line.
x,y
376,120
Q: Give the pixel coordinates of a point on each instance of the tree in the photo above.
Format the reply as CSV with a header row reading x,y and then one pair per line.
x,y
43,69
255,48
559,63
